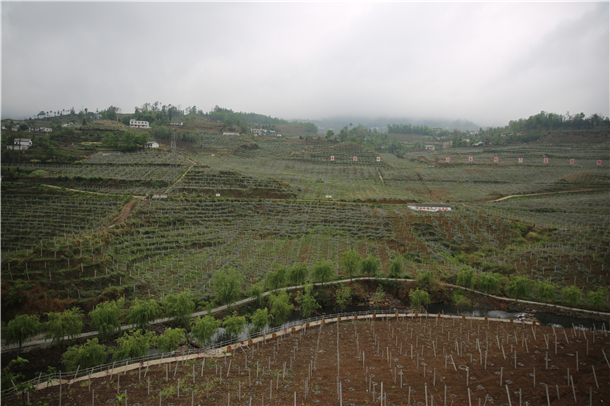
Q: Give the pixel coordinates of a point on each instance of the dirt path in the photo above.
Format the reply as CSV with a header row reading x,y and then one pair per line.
x,y
124,213
539,194
75,190
86,191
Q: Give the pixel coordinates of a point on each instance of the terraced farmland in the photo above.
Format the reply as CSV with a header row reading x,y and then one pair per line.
x,y
281,202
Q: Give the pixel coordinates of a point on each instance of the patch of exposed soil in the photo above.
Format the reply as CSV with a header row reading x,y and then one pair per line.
x,y
124,213
415,359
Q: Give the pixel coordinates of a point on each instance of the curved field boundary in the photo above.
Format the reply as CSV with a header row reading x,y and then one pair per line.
x,y
40,342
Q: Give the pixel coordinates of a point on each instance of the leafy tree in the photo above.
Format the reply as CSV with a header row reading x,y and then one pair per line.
x,y
343,296
546,291
133,344
298,273
460,300
179,307
86,356
256,291
571,294
11,379
126,141
370,265
227,286
170,339
597,299
68,323
311,128
307,301
234,324
142,312
261,318
20,329
379,296
204,328
277,278
280,306
323,271
518,286
396,269
106,317
56,123
489,282
419,298
329,134
427,281
465,278
351,263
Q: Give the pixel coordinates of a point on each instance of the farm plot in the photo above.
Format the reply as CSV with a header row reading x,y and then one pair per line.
x,y
475,183
410,361
578,249
533,155
202,181
314,151
31,215
313,181
172,241
109,178
224,144
146,157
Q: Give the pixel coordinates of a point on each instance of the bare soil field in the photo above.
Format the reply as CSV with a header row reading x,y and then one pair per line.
x,y
410,360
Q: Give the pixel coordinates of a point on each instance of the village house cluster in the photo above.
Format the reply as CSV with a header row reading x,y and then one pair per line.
x,y
263,131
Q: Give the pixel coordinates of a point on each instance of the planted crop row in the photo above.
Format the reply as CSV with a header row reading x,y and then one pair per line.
x,y
26,221
145,157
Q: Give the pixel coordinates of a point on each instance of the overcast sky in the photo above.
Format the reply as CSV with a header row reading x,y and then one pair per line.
x,y
484,62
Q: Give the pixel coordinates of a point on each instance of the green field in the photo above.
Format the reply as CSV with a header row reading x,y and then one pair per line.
x,y
252,204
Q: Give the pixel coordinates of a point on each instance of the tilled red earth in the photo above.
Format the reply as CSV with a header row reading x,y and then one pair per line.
x,y
452,361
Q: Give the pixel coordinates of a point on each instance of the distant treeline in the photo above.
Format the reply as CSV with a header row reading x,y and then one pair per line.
x,y
552,121
125,141
410,129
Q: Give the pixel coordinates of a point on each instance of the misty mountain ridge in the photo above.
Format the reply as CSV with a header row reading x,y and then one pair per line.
x,y
338,122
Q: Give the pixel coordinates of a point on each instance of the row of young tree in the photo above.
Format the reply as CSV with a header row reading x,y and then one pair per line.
x,y
109,317
521,287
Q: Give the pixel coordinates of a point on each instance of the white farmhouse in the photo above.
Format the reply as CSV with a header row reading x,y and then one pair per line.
x,y
20,144
151,144
429,207
138,123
